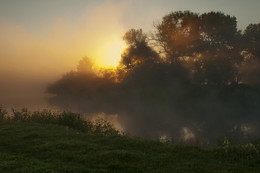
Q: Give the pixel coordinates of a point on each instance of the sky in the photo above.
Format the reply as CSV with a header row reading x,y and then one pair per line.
x,y
42,39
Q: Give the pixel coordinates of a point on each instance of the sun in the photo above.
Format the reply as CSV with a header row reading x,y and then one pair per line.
x,y
109,53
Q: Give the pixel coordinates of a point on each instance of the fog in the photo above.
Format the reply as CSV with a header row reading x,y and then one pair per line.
x,y
179,112
199,91
199,84
30,60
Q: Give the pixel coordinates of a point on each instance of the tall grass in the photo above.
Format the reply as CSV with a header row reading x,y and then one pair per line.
x,y
247,150
64,118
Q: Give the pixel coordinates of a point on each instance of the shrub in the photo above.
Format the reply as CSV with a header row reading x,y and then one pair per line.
x,y
100,126
248,150
75,121
20,116
68,119
3,113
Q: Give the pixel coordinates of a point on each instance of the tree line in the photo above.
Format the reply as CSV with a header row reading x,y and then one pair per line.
x,y
197,72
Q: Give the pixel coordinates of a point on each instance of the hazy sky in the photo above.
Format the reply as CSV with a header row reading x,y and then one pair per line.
x,y
35,14
42,39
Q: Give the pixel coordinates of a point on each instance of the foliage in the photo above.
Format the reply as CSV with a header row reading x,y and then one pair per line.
x,y
177,34
3,113
252,37
207,43
248,150
67,119
85,65
138,51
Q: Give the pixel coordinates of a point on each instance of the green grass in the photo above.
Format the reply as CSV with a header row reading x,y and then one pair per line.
x,y
47,142
44,148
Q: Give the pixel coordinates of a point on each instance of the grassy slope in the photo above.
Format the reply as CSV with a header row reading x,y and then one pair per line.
x,y
32,147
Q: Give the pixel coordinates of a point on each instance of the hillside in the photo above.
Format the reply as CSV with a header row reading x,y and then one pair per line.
x,y
27,147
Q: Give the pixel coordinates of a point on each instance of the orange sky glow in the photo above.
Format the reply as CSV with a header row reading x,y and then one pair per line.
x,y
42,40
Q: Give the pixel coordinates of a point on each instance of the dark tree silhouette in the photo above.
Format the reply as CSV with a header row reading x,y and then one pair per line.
x,y
250,69
178,35
218,29
145,67
207,43
252,38
138,51
85,65
84,89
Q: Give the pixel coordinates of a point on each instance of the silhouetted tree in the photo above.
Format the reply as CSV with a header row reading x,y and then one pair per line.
x,y
250,69
138,50
252,38
85,65
218,29
207,43
84,89
144,66
178,35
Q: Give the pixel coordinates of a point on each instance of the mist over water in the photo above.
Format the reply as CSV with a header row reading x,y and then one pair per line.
x,y
184,113
202,88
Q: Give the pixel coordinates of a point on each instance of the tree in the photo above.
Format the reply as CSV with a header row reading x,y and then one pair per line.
x,y
178,35
252,39
138,51
85,65
218,29
251,67
145,67
207,44
214,68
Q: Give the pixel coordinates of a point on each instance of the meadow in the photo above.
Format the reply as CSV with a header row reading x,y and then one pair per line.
x,y
65,142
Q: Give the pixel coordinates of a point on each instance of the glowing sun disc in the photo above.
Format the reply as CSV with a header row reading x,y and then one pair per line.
x,y
110,53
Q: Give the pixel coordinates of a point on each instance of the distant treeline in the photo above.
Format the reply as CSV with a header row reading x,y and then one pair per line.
x,y
196,77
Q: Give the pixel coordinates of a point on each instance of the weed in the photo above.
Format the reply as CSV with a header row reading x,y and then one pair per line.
x,y
64,118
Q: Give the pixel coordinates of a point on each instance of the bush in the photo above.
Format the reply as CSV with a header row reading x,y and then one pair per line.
x,y
3,113
68,119
248,150
100,126
74,121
